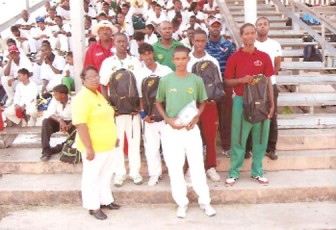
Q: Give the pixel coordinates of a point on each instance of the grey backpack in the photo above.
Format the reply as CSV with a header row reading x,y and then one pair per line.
x,y
124,95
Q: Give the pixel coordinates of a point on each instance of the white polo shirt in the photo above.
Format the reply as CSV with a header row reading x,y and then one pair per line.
x,y
24,63
47,73
272,48
206,57
25,94
160,71
112,64
56,108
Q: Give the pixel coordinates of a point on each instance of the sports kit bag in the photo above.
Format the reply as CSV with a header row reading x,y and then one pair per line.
x,y
149,89
256,103
311,53
70,154
124,95
208,71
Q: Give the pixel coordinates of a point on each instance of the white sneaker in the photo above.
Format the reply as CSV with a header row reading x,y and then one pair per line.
x,y
119,180
153,180
182,211
32,122
208,209
137,179
213,175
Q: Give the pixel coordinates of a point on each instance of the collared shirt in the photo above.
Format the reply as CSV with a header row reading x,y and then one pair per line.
x,y
112,64
242,63
160,71
23,63
56,108
96,54
272,48
46,71
164,55
25,94
220,50
94,111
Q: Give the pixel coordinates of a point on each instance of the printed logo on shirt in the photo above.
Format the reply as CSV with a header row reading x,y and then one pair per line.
x,y
224,49
258,63
160,56
190,90
99,54
172,90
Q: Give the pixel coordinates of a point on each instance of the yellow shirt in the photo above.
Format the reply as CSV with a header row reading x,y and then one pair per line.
x,y
94,111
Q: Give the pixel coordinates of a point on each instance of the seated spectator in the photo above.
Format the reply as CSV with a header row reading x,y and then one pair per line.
x,y
50,20
125,27
157,17
150,36
195,10
51,67
188,41
16,61
89,10
41,33
24,101
25,22
211,8
57,118
61,38
68,73
23,40
109,13
139,38
63,9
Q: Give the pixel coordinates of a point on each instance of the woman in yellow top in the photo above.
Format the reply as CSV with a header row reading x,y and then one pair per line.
x,y
96,138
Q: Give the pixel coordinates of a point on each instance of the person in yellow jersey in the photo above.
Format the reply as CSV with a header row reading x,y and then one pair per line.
x,y
96,138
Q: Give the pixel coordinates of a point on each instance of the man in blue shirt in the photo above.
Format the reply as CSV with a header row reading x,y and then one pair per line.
x,y
221,49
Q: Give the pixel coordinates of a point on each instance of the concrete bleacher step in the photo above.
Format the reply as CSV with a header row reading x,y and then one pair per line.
x,y
307,121
272,19
16,161
306,80
307,99
285,186
318,66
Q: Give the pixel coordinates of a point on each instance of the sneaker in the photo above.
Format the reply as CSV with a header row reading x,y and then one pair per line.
x,y
31,122
230,181
119,180
248,155
226,153
182,211
208,209
271,154
137,179
262,180
45,157
153,180
213,175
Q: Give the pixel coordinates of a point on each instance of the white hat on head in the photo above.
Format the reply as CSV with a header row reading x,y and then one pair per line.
x,y
213,20
104,23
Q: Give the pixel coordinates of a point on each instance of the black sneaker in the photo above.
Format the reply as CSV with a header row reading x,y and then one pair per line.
x,y
45,158
271,154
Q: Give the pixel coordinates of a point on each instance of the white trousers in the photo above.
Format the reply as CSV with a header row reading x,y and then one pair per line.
x,y
152,140
177,145
61,42
96,180
9,89
131,126
10,112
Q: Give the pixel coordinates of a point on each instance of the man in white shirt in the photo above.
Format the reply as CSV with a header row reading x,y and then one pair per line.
x,y
24,101
150,36
156,18
25,22
273,49
51,67
16,61
56,118
152,126
40,33
209,117
126,123
61,38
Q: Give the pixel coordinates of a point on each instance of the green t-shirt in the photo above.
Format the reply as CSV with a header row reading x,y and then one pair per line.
x,y
164,55
177,92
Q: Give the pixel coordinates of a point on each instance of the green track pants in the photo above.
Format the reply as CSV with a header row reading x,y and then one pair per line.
x,y
239,133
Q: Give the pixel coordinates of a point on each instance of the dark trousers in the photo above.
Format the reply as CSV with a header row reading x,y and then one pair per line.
x,y
224,107
50,126
273,135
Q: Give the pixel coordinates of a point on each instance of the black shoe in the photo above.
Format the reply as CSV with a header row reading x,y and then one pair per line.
x,y
98,214
248,155
45,158
271,154
112,206
56,149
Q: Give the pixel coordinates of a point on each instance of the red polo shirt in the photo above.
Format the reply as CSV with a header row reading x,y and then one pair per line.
x,y
96,54
242,63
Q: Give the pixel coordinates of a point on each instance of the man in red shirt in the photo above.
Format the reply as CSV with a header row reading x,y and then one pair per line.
x,y
240,68
99,51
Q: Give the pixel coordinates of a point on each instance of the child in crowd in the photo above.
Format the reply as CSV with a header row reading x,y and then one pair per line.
x,y
68,73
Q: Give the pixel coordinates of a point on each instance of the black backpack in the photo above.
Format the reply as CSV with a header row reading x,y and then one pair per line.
x,y
149,88
256,103
208,71
124,95
310,53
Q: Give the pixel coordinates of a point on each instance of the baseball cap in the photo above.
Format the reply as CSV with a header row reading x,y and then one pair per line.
x,y
104,23
213,20
39,19
13,48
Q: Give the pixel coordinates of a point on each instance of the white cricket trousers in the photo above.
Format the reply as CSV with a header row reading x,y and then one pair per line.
x,y
152,139
131,126
96,180
177,145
